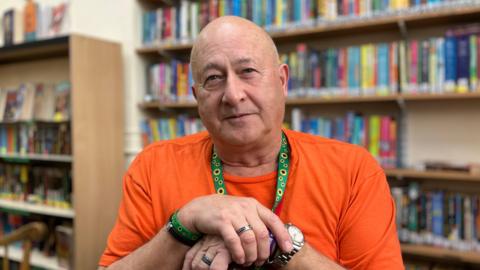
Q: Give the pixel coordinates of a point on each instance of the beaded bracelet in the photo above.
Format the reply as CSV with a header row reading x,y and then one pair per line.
x,y
180,232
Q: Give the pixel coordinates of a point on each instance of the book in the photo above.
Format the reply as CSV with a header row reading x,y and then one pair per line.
x,y
7,26
62,102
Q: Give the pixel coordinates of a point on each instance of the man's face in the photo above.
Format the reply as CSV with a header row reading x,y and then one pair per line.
x,y
240,89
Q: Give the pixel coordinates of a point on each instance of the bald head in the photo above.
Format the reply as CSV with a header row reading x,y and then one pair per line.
x,y
232,29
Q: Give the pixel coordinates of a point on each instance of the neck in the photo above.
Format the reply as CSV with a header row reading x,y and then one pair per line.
x,y
250,160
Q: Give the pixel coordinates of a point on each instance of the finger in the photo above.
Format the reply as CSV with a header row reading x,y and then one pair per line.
x,y
277,228
233,243
204,258
222,260
248,239
262,240
187,262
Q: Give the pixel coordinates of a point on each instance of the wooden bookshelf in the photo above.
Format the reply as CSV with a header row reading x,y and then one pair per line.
x,y
37,209
441,253
37,258
432,17
94,69
37,157
433,175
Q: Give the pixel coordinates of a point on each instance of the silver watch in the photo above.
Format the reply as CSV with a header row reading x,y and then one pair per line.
x,y
279,258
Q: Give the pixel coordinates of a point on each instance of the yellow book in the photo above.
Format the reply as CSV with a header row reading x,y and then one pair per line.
x,y
221,8
154,128
278,13
363,65
172,127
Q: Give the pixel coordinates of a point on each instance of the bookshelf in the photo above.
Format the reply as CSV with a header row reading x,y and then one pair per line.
x,y
37,259
94,69
430,125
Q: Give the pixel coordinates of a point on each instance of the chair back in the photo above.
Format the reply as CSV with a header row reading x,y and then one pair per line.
x,y
27,233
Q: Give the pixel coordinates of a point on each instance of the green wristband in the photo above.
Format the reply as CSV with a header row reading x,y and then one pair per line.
x,y
180,232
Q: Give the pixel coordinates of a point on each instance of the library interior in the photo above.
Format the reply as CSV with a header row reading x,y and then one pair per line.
x,y
86,86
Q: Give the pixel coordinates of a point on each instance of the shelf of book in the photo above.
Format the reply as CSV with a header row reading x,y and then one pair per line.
x,y
333,100
37,258
37,157
382,21
35,50
37,209
441,253
434,175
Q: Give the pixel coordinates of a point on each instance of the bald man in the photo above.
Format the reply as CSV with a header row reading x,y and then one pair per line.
x,y
247,193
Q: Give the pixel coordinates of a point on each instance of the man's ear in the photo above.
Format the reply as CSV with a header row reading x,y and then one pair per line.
x,y
283,71
194,91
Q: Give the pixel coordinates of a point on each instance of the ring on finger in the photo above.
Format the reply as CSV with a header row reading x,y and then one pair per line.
x,y
206,260
243,229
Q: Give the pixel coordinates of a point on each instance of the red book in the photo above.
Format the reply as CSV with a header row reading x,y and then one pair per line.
x,y
213,10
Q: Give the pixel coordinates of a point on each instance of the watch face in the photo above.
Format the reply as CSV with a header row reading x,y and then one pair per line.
x,y
295,233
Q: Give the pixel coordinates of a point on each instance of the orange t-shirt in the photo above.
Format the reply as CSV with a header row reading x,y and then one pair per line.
x,y
336,194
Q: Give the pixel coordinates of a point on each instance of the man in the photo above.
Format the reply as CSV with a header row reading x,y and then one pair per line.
x,y
333,192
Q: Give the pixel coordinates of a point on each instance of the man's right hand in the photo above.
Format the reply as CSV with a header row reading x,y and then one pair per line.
x,y
224,215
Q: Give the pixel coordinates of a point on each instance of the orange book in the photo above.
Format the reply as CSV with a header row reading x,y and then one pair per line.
x,y
30,20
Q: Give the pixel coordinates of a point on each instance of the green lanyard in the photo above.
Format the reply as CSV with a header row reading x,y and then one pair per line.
x,y
282,173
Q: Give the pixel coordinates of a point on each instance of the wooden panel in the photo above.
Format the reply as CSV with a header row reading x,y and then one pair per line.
x,y
13,75
443,130
441,253
98,126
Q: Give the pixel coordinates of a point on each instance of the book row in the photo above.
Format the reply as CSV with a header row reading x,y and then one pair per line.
x,y
181,22
444,219
34,22
377,133
58,242
36,101
169,128
447,64
431,266
170,82
51,186
35,138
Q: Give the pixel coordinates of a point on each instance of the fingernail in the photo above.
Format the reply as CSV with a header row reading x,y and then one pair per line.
x,y
288,246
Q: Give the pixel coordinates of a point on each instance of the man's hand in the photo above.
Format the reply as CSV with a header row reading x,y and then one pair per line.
x,y
213,248
224,215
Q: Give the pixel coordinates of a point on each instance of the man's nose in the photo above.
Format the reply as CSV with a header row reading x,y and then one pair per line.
x,y
234,91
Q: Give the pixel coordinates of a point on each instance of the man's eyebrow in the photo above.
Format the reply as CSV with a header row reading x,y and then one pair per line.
x,y
211,65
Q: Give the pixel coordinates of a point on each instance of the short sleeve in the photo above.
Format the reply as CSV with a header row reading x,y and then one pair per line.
x,y
367,231
135,224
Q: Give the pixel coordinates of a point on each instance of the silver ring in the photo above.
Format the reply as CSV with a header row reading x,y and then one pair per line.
x,y
206,260
244,229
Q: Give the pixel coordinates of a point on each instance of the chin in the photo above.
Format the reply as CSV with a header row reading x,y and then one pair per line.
x,y
241,137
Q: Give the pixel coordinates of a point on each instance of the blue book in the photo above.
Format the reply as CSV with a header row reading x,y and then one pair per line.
x,y
339,129
450,61
382,68
328,128
459,215
437,213
463,63
305,125
269,12
297,11
314,126
180,130
236,8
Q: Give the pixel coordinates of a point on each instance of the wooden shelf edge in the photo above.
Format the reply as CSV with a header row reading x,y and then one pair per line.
x,y
39,49
37,259
441,253
39,157
37,209
434,175
334,100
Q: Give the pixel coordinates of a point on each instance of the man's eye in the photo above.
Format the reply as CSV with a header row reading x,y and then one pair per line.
x,y
248,70
213,78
